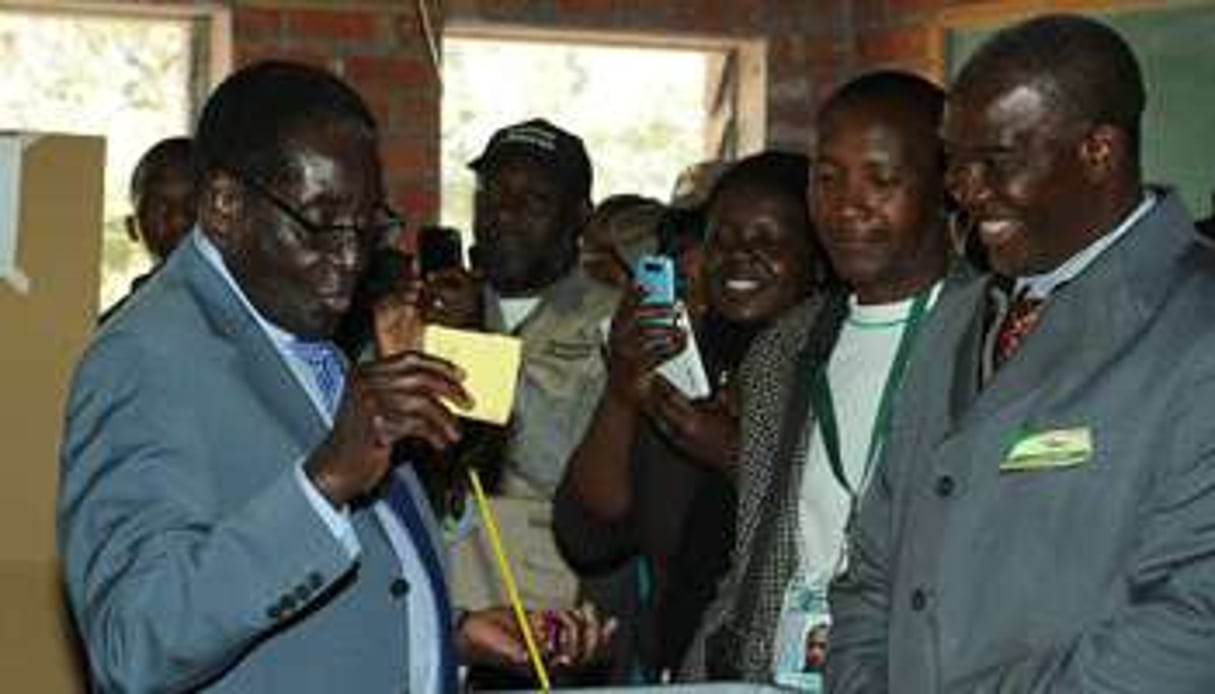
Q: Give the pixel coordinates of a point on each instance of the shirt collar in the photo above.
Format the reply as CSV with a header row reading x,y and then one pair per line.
x,y
1040,286
281,338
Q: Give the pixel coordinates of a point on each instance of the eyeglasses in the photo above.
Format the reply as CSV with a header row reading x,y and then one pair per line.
x,y
329,238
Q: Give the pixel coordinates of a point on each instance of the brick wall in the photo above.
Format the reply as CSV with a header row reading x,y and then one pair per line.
x,y
377,45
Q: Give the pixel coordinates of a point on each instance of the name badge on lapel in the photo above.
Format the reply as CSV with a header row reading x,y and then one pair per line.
x,y
1048,450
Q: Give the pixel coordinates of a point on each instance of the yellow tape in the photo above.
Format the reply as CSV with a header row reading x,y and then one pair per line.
x,y
508,578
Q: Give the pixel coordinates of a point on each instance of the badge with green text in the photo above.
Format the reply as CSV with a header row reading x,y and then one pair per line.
x,y
1047,450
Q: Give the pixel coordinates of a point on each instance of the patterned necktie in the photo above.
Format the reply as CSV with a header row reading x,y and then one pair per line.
x,y
1020,320
328,370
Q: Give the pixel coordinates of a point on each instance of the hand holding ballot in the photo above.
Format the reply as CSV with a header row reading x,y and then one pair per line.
x,y
400,394
489,363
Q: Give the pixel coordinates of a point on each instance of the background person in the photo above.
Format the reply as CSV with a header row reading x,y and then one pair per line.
x,y
649,488
163,204
1042,519
817,386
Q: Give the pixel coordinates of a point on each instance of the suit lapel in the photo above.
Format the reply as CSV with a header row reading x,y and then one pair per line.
x,y
1085,322
965,331
267,375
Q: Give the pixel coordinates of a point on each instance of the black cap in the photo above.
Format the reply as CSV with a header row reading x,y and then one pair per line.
x,y
546,143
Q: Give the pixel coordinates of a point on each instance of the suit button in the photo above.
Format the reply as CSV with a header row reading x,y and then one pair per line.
x,y
302,592
399,588
287,603
945,486
273,612
919,600
315,580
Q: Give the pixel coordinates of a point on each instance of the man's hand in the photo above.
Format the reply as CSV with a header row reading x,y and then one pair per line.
x,y
452,297
566,638
386,400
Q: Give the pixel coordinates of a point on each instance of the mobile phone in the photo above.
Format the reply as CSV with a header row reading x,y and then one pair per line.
x,y
656,275
686,370
439,248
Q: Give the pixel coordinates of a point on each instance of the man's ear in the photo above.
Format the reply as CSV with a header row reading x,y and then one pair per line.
x,y
1103,152
220,209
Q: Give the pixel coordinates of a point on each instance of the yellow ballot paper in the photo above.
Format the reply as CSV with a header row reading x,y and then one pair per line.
x,y
491,367
1045,450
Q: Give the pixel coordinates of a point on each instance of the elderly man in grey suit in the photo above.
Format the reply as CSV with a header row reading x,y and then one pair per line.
x,y
1045,520
230,517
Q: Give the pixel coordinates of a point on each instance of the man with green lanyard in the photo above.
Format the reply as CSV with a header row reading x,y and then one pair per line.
x,y
818,387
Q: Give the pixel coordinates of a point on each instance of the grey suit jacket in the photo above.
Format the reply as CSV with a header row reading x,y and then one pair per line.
x,y
1096,577
193,559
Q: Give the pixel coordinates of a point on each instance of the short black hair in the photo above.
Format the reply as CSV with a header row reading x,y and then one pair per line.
x,y
916,101
904,90
783,172
172,156
255,111
1080,64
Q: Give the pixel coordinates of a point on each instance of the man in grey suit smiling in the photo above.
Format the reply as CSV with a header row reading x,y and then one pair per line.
x,y
1045,519
230,518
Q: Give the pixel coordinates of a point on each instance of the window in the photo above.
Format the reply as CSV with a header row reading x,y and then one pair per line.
x,y
133,77
640,110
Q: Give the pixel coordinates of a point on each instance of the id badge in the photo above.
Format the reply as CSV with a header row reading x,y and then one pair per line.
x,y
801,637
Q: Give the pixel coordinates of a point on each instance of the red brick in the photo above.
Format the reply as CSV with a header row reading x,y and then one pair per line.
x,y
379,99
247,52
578,11
405,72
898,7
251,24
641,12
746,15
407,35
897,46
869,13
420,205
404,156
410,118
331,25
512,10
791,50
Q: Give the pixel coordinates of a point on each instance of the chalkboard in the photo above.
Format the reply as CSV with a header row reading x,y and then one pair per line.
x,y
1176,50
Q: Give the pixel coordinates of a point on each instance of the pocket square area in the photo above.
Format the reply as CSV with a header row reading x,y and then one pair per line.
x,y
1054,448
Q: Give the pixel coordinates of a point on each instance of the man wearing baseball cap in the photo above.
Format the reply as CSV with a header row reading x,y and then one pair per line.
x,y
532,202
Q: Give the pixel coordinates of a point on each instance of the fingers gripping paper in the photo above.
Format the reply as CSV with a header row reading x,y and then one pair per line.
x,y
490,363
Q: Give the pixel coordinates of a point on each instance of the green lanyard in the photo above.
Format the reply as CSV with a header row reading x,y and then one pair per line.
x,y
824,407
